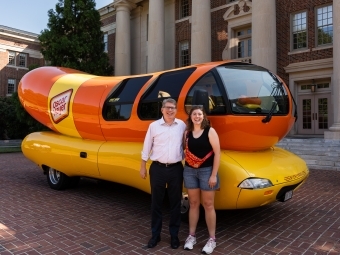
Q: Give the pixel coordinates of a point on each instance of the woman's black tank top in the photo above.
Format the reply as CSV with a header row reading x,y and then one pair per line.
x,y
200,147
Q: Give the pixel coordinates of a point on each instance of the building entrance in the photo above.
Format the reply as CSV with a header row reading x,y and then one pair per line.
x,y
314,113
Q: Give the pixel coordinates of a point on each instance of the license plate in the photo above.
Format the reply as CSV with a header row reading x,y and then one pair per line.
x,y
288,195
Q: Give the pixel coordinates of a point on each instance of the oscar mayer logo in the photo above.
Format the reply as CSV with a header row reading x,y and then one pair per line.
x,y
59,106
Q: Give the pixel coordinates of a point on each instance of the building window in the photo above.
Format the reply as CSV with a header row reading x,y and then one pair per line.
x,y
11,58
11,86
184,9
325,25
299,30
244,44
22,59
184,53
105,38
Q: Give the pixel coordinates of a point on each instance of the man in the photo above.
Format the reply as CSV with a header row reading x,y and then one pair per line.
x,y
164,141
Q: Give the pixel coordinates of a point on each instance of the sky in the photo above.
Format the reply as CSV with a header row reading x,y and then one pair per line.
x,y
31,15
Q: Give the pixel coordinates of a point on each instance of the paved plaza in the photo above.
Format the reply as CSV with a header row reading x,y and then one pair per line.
x,y
108,218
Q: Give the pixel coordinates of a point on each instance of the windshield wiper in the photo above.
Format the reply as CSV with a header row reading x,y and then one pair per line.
x,y
270,113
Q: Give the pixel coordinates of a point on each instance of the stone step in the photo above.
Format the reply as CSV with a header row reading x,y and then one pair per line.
x,y
317,152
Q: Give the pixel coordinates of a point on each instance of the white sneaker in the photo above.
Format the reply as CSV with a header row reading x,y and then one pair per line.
x,y
209,247
190,242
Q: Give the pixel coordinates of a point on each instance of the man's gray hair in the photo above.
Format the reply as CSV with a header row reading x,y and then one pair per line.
x,y
169,100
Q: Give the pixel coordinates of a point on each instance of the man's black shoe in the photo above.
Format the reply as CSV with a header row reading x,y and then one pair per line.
x,y
174,242
153,241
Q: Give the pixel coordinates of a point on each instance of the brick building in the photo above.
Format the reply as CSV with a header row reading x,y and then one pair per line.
x,y
18,51
291,38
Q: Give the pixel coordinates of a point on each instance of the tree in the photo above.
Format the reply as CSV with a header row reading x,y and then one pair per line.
x,y
74,39
15,122
26,124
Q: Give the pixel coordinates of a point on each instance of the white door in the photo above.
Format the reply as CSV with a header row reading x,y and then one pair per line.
x,y
314,113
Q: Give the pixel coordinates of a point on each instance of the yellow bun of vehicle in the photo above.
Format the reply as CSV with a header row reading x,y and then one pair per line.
x,y
248,179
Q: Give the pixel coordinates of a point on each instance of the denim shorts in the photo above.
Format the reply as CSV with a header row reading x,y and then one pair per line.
x,y
198,178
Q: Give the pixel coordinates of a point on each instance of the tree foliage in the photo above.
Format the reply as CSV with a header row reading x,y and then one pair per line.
x,y
74,39
15,122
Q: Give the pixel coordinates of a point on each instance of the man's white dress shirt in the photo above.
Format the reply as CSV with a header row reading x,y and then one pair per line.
x,y
164,141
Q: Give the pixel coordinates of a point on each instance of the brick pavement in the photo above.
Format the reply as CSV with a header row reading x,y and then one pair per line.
x,y
107,218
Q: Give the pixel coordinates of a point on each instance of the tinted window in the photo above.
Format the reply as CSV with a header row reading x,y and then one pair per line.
x,y
167,85
253,90
118,105
214,100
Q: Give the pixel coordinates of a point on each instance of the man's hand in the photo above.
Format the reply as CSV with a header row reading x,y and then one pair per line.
x,y
142,172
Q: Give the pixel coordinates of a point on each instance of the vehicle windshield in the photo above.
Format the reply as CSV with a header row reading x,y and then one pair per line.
x,y
253,90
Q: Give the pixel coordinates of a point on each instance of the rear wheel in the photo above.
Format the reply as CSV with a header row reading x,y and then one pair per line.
x,y
57,180
185,207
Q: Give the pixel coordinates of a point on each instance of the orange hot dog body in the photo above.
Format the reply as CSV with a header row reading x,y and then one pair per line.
x,y
83,118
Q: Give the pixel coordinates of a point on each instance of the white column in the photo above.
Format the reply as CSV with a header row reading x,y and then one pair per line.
x,y
123,38
156,36
264,34
334,130
200,32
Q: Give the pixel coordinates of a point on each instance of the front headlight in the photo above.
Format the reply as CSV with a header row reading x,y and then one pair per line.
x,y
255,183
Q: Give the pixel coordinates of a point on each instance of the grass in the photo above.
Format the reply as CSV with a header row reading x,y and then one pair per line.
x,y
10,149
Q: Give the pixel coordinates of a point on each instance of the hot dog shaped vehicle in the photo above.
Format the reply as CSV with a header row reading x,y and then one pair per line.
x,y
99,123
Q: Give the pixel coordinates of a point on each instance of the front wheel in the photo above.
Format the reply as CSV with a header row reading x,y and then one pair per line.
x,y
57,180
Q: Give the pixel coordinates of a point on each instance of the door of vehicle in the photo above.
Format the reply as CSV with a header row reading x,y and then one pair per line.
x,y
314,113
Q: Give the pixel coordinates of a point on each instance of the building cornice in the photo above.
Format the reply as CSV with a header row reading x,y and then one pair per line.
x,y
30,52
309,65
19,34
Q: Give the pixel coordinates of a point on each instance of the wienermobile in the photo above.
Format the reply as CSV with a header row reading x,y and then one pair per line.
x,y
98,126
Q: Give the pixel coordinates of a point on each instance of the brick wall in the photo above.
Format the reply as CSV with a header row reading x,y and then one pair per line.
x,y
217,3
13,72
109,20
111,48
219,34
183,32
284,9
111,40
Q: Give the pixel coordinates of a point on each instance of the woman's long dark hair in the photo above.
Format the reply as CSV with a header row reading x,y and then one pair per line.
x,y
205,123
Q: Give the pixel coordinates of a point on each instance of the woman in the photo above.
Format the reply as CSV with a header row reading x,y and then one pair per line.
x,y
202,159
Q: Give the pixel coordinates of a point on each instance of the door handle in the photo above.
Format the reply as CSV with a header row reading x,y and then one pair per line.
x,y
316,116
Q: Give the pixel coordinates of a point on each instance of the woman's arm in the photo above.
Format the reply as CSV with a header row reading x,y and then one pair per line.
x,y
215,144
184,139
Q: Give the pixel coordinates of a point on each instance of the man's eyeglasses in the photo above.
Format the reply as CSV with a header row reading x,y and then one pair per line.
x,y
169,108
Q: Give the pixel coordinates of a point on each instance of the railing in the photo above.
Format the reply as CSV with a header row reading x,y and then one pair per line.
x,y
10,145
245,60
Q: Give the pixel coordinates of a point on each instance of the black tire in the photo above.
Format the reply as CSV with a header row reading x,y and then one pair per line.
x,y
57,180
185,208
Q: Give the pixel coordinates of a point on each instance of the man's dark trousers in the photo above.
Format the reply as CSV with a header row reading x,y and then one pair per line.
x,y
160,176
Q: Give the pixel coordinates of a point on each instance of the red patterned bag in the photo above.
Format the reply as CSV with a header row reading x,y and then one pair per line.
x,y
193,160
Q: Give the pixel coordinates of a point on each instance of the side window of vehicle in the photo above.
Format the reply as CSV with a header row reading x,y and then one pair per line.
x,y
167,85
118,105
207,93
